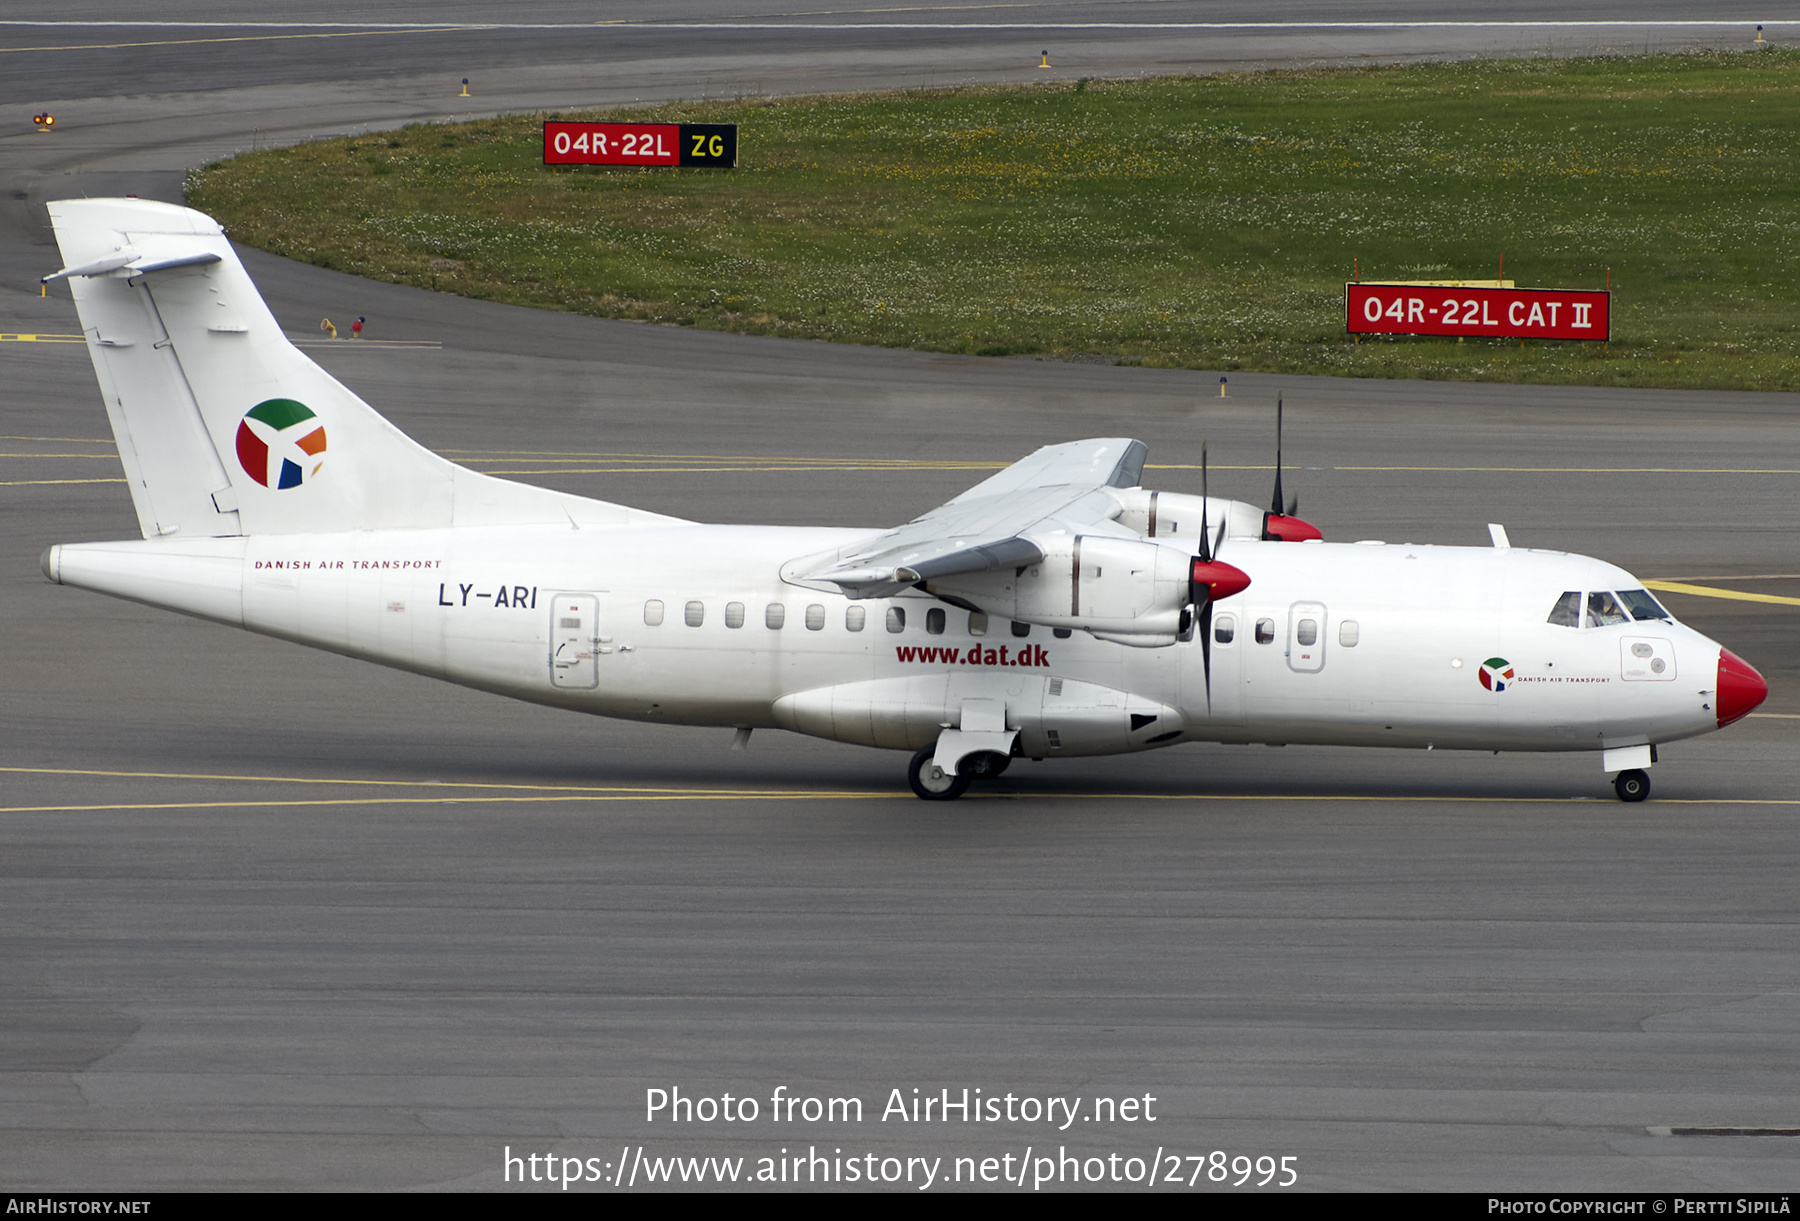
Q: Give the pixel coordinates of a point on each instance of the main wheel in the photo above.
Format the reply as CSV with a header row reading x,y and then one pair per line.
x,y
1633,785
932,782
984,765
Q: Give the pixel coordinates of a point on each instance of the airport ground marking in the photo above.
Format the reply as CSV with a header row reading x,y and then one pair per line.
x,y
704,470
772,21
1579,470
551,793
1754,576
410,784
371,345
754,463
188,42
32,483
698,795
1710,591
14,338
860,794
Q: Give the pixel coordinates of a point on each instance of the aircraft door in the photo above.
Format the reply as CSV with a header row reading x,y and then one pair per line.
x,y
1306,637
574,641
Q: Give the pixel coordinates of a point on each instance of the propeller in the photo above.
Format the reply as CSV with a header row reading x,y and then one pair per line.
x,y
1209,580
1203,609
1279,523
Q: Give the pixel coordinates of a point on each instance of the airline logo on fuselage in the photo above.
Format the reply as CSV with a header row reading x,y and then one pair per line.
x,y
1497,674
281,443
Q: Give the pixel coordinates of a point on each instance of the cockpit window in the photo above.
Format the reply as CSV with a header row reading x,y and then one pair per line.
x,y
1567,611
1603,610
1642,605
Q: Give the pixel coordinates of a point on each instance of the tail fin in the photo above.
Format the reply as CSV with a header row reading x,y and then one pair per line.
x,y
224,427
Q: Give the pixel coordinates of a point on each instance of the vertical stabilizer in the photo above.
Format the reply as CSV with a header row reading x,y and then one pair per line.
x,y
226,428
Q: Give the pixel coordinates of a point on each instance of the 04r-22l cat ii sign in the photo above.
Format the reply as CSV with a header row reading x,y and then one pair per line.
x,y
1057,608
1374,308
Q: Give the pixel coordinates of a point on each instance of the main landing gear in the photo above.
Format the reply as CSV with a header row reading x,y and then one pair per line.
x,y
1632,785
933,783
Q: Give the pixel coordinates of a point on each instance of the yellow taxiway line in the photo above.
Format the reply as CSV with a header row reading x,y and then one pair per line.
x,y
1712,591
535,794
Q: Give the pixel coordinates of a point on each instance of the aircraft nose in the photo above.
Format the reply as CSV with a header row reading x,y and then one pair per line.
x,y
1741,689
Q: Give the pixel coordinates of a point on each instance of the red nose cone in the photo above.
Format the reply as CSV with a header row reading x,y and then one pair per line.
x,y
1741,688
1221,580
1278,527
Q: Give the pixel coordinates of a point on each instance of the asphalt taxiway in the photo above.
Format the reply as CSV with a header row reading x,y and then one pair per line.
x,y
272,918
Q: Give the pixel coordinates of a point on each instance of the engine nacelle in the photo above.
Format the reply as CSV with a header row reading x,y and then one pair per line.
x,y
1178,515
1133,591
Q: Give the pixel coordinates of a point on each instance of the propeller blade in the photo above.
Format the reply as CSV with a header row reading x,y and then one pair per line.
x,y
1275,505
1279,523
1205,528
1205,617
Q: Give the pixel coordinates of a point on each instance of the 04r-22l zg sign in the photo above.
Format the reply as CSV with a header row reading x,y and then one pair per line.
x,y
1510,313
711,145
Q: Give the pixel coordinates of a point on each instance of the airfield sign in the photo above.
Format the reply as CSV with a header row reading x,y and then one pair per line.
x,y
711,145
1501,313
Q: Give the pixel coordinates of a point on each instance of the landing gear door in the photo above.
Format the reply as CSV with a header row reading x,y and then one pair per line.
x,y
575,641
1306,637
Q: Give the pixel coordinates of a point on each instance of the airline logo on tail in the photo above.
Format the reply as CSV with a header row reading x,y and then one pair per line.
x,y
281,443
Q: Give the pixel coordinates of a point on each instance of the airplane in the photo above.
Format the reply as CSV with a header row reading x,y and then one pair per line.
x,y
1056,609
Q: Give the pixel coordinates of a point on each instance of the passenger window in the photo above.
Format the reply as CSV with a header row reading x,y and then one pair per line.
x,y
896,619
1225,629
696,614
774,616
653,612
854,618
1567,611
1642,605
934,621
734,614
815,618
1021,629
1265,631
1307,633
1349,633
977,623
1603,610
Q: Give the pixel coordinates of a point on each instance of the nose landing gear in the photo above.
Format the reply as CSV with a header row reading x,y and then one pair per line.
x,y
1632,785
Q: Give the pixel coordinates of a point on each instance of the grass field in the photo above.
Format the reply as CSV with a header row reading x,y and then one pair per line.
x,y
1205,222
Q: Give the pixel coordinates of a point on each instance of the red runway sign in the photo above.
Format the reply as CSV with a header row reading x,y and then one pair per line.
x,y
1509,313
696,144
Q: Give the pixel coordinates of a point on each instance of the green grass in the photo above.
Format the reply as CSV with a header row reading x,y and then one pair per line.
x,y
1205,222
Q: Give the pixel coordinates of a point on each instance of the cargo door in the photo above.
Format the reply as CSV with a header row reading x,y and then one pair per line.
x,y
575,641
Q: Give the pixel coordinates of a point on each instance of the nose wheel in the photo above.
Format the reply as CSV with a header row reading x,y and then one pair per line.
x,y
932,782
1633,785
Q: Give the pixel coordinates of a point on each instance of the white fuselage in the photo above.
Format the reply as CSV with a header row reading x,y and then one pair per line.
x,y
673,623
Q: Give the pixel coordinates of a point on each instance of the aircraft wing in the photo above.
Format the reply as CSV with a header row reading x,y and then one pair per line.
x,y
1000,521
